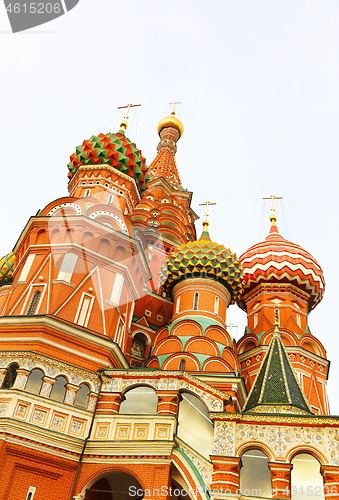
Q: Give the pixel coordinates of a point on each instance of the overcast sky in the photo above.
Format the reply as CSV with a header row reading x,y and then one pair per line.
x,y
258,81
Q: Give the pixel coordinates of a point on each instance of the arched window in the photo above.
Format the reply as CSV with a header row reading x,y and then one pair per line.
x,y
110,199
255,477
139,345
216,305
306,471
177,307
87,193
140,400
196,301
59,389
195,426
81,399
10,376
255,320
182,365
33,303
34,381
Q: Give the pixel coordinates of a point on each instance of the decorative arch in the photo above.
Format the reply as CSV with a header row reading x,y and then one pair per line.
x,y
172,363
218,335
86,482
168,345
255,445
217,365
187,327
185,469
202,345
161,334
147,335
304,448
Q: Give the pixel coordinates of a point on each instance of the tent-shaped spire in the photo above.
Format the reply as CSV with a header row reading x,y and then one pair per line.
x,y
276,388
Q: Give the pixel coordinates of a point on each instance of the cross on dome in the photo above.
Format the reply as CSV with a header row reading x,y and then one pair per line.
x,y
272,197
124,123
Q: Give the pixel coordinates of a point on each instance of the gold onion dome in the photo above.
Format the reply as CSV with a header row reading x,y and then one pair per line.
x,y
6,269
171,121
203,259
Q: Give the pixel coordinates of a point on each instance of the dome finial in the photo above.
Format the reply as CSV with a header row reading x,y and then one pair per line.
x,y
205,234
273,217
174,104
171,122
124,123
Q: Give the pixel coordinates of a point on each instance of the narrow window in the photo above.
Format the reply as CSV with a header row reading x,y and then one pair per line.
x,y
34,381
67,267
10,376
87,193
30,494
255,320
84,312
216,305
27,267
59,389
182,365
117,289
196,301
298,320
81,398
33,304
177,306
110,199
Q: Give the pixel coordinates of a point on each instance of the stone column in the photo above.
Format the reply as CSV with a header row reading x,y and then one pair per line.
x,y
46,388
21,378
168,402
71,392
330,475
109,402
3,372
281,479
225,475
91,401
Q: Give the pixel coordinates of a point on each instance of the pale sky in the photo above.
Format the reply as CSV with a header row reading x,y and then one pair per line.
x,y
258,81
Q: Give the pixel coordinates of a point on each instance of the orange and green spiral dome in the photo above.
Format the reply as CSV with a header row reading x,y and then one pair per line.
x,y
115,150
203,259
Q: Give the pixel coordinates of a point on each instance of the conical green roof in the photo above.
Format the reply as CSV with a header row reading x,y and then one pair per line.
x,y
276,388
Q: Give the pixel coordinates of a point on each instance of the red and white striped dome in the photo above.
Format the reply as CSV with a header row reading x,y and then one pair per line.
x,y
278,260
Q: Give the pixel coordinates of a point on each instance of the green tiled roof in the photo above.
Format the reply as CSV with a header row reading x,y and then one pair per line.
x,y
276,382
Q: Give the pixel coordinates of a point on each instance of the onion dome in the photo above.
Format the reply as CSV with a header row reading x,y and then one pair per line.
x,y
6,269
171,121
203,259
278,260
115,150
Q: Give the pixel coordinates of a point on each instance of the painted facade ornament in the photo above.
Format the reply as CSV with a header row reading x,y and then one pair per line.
x,y
224,443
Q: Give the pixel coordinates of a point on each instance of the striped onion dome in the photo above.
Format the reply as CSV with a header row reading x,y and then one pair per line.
x,y
278,260
115,150
203,259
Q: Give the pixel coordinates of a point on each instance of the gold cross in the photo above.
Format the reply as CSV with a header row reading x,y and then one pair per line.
x,y
124,123
207,203
272,197
231,325
174,104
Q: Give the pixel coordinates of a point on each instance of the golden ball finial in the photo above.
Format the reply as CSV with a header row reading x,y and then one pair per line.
x,y
123,125
171,121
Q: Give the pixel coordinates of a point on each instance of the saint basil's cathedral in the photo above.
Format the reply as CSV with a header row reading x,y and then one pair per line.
x,y
119,379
